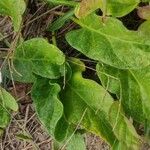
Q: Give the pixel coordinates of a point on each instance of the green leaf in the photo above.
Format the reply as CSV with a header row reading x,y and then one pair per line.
x,y
48,107
7,100
144,29
5,117
110,43
76,143
61,129
109,78
63,2
14,9
37,56
24,137
91,110
7,103
61,21
119,8
123,129
77,101
133,92
145,1
86,7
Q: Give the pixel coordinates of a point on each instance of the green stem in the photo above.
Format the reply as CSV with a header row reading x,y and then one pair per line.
x,y
54,39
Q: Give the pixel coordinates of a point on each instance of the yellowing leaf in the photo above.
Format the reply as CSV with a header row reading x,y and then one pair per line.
x,y
123,129
117,8
144,12
86,7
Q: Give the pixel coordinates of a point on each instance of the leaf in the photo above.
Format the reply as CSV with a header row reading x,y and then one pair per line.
x,y
144,29
7,103
48,107
24,137
76,143
91,109
86,7
63,2
109,78
110,43
14,9
134,87
61,129
61,21
119,8
7,100
145,0
144,12
5,117
123,129
76,100
37,56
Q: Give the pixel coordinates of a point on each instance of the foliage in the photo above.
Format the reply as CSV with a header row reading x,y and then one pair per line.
x,y
7,103
14,9
64,100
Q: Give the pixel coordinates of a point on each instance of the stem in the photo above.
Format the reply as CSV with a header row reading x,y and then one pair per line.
x,y
54,39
